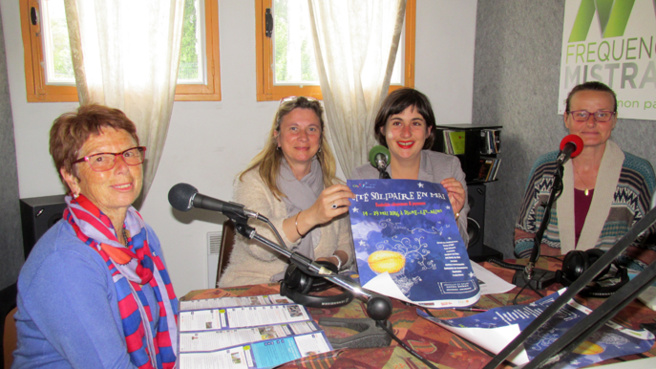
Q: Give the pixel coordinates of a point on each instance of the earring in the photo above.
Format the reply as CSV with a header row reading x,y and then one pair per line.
x,y
76,195
318,151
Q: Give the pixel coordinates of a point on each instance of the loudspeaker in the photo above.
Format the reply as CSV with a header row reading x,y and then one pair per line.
x,y
476,216
477,251
38,214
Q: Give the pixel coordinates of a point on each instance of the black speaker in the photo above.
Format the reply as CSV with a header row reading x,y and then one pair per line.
x,y
476,225
38,214
476,216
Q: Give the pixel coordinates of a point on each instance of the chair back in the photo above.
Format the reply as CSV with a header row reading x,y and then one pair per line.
x,y
227,243
9,339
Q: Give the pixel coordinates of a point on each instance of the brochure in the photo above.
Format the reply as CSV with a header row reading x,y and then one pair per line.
x,y
496,328
247,332
408,245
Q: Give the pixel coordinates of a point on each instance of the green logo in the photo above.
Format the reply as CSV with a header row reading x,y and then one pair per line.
x,y
613,16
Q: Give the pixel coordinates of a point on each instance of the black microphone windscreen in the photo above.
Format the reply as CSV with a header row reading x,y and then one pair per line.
x,y
378,149
181,196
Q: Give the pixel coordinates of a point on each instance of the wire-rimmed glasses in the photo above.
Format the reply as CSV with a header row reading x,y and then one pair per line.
x,y
107,160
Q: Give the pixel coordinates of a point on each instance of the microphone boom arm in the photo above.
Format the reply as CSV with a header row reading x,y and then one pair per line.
x,y
525,277
581,282
556,190
378,307
184,196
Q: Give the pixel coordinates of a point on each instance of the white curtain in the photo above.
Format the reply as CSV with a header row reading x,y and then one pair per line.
x,y
126,55
355,45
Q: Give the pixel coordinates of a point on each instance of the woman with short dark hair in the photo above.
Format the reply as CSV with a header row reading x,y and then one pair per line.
x,y
405,124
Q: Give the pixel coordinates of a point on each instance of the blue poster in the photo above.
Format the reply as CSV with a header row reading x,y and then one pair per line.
x,y
496,328
407,243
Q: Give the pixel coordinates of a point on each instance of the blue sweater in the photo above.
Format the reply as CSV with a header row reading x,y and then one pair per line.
x,y
68,315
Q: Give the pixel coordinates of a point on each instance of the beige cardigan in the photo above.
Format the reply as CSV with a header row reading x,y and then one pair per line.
x,y
254,263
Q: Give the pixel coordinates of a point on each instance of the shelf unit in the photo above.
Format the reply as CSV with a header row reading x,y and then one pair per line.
x,y
480,148
482,144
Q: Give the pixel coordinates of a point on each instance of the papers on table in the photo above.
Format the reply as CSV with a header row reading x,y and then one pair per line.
x,y
489,282
247,332
496,328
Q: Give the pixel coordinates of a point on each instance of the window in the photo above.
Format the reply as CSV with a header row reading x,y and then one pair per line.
x,y
278,76
49,73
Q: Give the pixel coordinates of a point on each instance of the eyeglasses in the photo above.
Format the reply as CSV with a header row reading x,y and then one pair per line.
x,y
107,160
599,116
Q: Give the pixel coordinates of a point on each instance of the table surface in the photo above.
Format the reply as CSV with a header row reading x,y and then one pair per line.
x,y
433,342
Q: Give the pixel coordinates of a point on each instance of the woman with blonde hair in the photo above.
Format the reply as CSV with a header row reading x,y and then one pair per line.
x,y
292,182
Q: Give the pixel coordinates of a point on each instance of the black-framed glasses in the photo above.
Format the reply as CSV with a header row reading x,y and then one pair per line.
x,y
107,160
599,115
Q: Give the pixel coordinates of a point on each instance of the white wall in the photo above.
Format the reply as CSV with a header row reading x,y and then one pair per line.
x,y
210,142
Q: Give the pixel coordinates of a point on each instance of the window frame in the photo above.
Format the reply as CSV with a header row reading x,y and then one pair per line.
x,y
39,91
266,91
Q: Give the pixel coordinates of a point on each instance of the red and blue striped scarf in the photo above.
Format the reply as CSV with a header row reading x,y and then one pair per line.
x,y
132,267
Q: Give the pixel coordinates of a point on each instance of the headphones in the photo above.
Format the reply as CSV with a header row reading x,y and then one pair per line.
x,y
576,262
298,285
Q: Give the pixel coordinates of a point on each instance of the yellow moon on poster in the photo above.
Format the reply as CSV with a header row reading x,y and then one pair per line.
x,y
588,348
382,261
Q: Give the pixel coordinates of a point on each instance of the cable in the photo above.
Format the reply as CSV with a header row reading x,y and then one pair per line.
x,y
503,264
383,324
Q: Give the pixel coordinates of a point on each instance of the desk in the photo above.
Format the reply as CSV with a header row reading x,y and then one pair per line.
x,y
431,341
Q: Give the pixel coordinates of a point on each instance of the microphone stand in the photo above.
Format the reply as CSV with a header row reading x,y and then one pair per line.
x,y
607,310
546,278
379,307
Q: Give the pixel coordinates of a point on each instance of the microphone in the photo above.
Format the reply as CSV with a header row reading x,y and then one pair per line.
x,y
570,147
184,196
379,159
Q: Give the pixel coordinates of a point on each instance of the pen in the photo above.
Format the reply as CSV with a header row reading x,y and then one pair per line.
x,y
474,309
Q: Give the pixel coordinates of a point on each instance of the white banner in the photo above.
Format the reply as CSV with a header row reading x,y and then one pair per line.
x,y
611,41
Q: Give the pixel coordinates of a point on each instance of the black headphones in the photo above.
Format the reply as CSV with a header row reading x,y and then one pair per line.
x,y
576,262
298,285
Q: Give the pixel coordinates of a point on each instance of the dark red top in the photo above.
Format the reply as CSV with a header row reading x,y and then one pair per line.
x,y
581,207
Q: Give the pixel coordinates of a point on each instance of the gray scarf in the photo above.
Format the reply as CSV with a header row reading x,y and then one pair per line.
x,y
300,195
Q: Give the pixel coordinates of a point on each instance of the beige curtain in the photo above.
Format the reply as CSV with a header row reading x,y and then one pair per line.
x,y
126,55
355,45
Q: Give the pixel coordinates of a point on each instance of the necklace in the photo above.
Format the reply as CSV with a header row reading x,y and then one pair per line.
x,y
586,191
